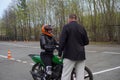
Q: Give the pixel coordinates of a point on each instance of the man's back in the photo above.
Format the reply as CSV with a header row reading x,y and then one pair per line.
x,y
74,38
76,33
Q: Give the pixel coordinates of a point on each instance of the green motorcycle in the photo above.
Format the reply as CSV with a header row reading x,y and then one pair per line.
x,y
38,70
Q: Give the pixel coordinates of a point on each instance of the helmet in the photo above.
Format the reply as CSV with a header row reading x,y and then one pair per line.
x,y
45,29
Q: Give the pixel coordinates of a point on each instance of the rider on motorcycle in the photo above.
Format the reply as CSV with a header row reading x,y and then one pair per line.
x,y
47,43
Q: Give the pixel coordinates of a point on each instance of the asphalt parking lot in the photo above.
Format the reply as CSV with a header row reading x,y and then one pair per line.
x,y
103,60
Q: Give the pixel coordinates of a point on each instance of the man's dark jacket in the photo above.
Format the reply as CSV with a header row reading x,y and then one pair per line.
x,y
72,41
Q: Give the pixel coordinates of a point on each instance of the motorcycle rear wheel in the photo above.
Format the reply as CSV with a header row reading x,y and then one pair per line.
x,y
88,74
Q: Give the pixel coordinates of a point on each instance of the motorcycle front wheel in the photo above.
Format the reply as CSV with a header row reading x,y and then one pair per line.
x,y
37,72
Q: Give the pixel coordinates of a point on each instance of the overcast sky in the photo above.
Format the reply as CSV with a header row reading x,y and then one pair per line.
x,y
3,5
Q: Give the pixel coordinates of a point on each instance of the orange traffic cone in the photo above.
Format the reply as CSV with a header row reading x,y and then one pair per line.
x,y
9,54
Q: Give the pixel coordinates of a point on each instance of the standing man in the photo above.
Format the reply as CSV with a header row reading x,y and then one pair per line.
x,y
72,41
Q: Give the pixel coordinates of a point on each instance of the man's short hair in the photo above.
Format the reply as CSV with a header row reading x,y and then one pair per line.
x,y
72,16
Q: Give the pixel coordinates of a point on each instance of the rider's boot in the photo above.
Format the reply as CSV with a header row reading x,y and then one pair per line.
x,y
49,70
48,73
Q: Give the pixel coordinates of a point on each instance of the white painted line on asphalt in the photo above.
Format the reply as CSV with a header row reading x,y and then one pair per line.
x,y
107,70
18,60
33,47
24,62
32,64
12,59
3,56
106,52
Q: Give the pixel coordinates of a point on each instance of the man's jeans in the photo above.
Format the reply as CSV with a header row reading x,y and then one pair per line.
x,y
68,66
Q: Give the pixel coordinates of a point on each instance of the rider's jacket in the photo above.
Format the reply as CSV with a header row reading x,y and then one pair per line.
x,y
47,43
